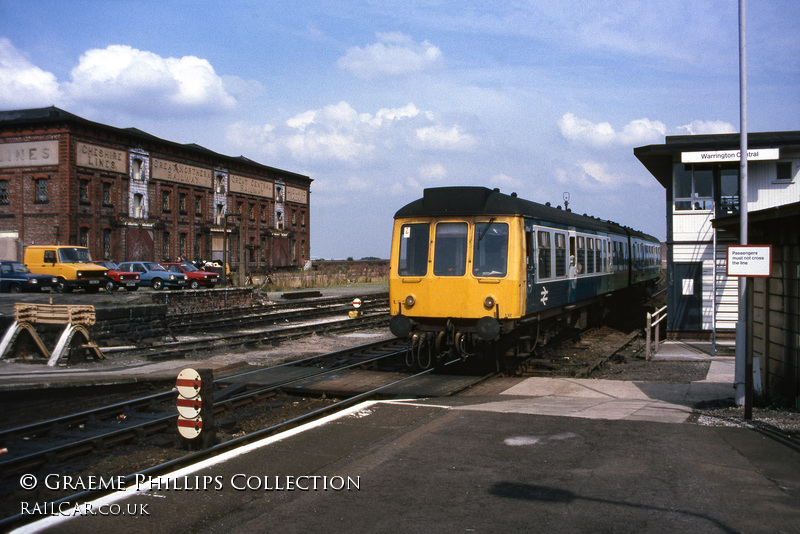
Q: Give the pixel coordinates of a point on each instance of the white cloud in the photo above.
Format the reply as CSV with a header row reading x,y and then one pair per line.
x,y
395,54
22,84
505,182
339,133
442,137
636,132
435,172
128,77
707,127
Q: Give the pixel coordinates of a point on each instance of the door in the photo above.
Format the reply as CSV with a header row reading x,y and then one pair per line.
x,y
140,245
687,291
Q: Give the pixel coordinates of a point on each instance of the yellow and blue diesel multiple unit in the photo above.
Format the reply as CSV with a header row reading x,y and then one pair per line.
x,y
471,266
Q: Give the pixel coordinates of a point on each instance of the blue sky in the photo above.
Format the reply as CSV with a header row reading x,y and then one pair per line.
x,y
376,100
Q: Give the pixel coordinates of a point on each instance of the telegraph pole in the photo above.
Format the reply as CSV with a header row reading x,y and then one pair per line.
x,y
744,365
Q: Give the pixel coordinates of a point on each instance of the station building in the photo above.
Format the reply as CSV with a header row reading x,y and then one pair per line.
x,y
701,175
128,195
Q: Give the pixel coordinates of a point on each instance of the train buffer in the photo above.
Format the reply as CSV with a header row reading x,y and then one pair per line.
x,y
22,340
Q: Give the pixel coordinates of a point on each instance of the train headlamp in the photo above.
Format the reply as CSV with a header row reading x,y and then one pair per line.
x,y
410,301
489,303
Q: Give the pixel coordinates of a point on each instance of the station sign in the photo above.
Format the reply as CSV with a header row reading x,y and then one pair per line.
x,y
749,260
717,156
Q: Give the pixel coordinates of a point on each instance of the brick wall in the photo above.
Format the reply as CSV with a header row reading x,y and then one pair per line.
x,y
206,300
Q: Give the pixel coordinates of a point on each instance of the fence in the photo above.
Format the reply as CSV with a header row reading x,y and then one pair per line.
x,y
326,275
653,321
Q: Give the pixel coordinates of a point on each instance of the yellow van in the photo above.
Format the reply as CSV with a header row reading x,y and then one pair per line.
x,y
70,264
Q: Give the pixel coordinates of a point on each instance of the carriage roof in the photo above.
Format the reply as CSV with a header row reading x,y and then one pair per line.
x,y
465,201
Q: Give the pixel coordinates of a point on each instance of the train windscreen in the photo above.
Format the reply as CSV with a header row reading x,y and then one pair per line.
x,y
450,249
413,260
489,257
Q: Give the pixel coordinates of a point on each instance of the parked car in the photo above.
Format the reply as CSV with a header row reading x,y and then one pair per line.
x,y
196,277
117,278
70,264
16,278
154,275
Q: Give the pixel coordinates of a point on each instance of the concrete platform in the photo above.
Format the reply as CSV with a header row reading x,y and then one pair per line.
x,y
601,460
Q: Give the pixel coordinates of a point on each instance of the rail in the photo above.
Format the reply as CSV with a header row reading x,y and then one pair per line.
x,y
653,321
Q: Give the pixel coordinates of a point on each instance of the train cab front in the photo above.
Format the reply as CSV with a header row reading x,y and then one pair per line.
x,y
454,283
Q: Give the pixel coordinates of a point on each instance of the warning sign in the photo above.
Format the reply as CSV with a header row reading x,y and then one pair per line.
x,y
750,260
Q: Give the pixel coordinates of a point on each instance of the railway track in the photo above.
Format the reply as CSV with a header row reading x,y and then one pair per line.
x,y
578,355
60,439
256,327
147,416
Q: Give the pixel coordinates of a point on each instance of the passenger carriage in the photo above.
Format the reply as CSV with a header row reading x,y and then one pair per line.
x,y
471,266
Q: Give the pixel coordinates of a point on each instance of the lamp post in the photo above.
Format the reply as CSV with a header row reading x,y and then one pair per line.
x,y
225,248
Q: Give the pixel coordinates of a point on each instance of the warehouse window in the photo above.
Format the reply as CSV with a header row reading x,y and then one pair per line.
x,y
3,191
198,205
106,194
136,169
165,246
181,246
165,204
41,190
83,191
83,237
413,258
138,206
106,243
450,249
490,252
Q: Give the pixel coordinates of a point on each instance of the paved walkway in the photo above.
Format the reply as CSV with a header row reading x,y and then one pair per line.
x,y
621,400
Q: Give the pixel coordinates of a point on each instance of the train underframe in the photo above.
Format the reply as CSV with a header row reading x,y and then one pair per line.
x,y
488,344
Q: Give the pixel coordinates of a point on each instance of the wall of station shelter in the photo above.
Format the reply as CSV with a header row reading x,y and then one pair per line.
x,y
135,198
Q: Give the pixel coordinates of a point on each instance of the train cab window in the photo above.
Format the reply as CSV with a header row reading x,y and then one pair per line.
x,y
413,259
561,255
545,253
450,249
589,255
491,249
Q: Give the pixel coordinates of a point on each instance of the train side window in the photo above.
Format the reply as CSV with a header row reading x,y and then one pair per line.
x,y
600,253
490,253
413,259
545,253
561,255
589,255
450,249
579,268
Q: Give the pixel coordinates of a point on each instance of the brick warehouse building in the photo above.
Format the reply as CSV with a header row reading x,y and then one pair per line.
x,y
128,195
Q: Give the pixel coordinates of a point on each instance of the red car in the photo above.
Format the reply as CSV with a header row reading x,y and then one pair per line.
x,y
195,276
117,278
